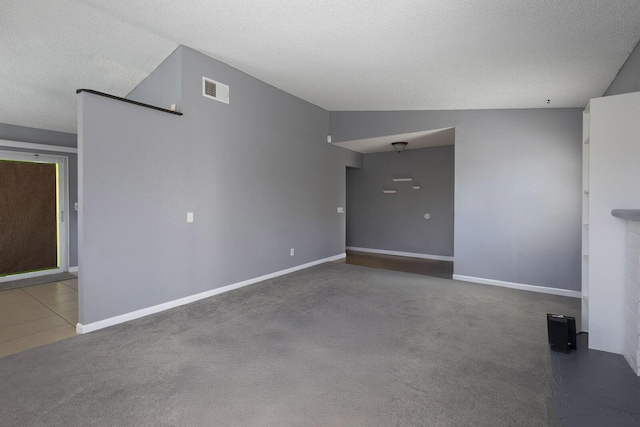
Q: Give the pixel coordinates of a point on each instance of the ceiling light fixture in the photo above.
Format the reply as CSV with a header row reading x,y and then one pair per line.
x,y
399,146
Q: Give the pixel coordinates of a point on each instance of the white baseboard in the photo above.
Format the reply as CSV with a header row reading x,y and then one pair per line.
x,y
73,269
521,286
31,275
407,254
101,324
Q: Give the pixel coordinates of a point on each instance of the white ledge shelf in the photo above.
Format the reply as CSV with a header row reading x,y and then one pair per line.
x,y
389,191
402,179
630,214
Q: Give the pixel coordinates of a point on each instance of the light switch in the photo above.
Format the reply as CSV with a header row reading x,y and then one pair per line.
x,y
189,216
76,205
340,209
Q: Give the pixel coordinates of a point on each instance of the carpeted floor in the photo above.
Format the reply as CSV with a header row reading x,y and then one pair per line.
x,y
14,284
333,345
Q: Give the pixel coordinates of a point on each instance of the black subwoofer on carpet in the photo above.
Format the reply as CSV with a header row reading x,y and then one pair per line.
x,y
562,332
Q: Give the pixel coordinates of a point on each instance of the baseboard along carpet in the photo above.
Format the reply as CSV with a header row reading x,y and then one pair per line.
x,y
332,345
22,283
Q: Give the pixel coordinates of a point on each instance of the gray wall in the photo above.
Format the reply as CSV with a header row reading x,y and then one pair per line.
x,y
257,173
517,187
163,87
628,78
48,137
396,221
37,136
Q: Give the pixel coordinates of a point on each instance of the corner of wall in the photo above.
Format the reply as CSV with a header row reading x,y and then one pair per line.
x,y
628,78
163,87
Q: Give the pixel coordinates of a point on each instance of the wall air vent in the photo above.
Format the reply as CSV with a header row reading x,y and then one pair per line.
x,y
215,90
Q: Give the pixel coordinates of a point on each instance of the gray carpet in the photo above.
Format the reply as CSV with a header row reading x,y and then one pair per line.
x,y
333,345
13,284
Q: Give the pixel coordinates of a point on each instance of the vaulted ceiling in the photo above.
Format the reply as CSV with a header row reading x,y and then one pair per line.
x,y
337,54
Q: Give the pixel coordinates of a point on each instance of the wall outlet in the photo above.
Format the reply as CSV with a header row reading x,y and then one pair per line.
x,y
292,252
173,107
340,209
189,216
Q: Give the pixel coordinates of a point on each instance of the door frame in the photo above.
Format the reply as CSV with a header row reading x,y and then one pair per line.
x,y
63,207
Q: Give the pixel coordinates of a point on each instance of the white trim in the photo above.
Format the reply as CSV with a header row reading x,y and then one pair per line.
x,y
90,327
397,253
30,275
34,146
520,286
73,269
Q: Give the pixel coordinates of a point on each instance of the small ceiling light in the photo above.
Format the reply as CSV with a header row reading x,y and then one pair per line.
x,y
399,146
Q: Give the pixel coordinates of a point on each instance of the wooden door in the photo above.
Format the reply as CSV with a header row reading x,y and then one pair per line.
x,y
28,217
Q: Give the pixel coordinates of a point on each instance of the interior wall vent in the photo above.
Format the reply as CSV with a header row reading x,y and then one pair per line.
x,y
215,90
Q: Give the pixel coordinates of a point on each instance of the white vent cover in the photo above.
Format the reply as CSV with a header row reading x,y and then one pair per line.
x,y
215,90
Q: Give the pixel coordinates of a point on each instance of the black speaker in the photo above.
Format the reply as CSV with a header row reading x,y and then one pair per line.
x,y
562,332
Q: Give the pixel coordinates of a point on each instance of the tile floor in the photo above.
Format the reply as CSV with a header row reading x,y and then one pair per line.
x,y
594,388
37,315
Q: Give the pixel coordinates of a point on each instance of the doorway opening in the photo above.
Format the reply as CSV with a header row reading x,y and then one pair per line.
x,y
33,215
400,205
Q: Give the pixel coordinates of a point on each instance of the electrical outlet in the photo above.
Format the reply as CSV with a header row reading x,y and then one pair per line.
x,y
189,216
292,251
340,209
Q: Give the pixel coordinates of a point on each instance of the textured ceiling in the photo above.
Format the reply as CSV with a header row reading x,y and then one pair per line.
x,y
414,140
338,54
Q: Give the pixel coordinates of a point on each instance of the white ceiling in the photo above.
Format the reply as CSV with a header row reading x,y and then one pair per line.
x,y
338,54
414,140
